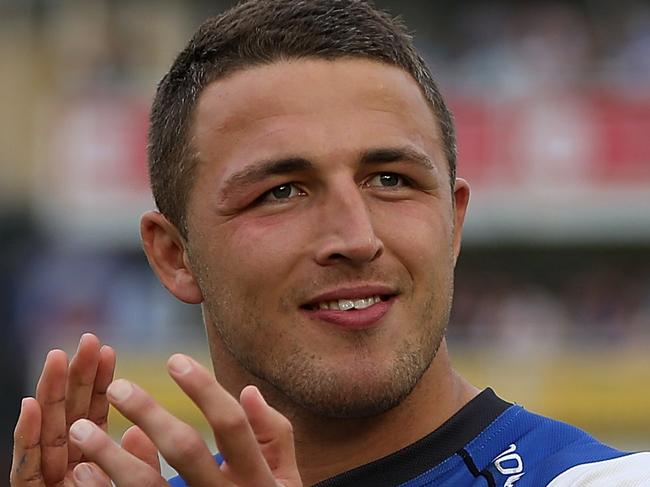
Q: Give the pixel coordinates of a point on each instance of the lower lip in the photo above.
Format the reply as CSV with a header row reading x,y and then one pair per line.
x,y
354,319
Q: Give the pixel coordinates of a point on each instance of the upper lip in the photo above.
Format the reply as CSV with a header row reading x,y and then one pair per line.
x,y
352,292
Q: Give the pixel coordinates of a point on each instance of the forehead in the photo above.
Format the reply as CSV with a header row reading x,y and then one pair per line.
x,y
310,104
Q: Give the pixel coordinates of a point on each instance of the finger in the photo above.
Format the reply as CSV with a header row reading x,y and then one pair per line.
x,y
122,467
87,474
274,434
50,394
180,444
138,444
236,441
98,410
26,464
81,377
79,386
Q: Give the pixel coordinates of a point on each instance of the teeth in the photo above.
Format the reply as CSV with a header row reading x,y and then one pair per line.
x,y
364,303
348,304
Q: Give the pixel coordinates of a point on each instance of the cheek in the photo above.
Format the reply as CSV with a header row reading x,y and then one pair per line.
x,y
258,249
419,234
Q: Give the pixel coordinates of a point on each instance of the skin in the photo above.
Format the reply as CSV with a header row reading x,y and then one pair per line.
x,y
254,256
257,438
65,393
338,229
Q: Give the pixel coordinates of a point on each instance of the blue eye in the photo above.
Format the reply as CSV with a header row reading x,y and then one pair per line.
x,y
387,180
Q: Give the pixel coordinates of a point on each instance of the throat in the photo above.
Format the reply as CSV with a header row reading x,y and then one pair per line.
x,y
328,447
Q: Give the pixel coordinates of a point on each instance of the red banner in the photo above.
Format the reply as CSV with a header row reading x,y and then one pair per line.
x,y
592,139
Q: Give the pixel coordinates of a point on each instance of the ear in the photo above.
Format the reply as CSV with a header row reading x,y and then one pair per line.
x,y
461,201
165,250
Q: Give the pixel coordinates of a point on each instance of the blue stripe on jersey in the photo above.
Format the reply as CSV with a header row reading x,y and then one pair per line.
x,y
517,449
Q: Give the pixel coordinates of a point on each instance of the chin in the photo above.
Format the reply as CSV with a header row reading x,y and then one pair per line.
x,y
361,390
358,404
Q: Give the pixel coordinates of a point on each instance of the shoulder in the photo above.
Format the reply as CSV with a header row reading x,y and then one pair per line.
x,y
630,470
525,449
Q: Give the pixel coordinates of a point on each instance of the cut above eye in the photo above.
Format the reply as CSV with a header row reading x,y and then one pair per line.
x,y
387,180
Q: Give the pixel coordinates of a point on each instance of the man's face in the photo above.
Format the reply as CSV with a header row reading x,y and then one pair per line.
x,y
323,185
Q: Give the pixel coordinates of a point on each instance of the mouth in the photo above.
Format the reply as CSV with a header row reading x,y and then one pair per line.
x,y
347,303
360,308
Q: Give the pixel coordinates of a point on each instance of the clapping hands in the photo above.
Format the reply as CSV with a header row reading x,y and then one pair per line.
x,y
61,440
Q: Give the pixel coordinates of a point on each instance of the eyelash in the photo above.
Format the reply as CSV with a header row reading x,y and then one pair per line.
x,y
268,196
404,180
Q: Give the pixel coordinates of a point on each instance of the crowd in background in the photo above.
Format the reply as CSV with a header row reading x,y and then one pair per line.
x,y
55,54
513,48
592,305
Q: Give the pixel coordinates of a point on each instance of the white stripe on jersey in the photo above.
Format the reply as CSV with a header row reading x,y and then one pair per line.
x,y
628,471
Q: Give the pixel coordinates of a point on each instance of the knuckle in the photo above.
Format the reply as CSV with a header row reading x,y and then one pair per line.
x,y
27,448
47,402
16,479
286,429
58,441
143,402
232,423
185,443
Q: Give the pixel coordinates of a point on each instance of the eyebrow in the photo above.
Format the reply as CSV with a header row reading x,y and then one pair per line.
x,y
394,154
261,170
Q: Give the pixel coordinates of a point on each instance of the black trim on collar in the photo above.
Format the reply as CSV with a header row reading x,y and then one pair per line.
x,y
423,455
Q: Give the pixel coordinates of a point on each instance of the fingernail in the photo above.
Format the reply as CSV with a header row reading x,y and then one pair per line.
x,y
83,473
119,390
179,365
260,396
51,353
82,340
81,430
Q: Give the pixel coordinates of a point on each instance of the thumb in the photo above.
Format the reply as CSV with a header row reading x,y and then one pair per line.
x,y
274,435
137,443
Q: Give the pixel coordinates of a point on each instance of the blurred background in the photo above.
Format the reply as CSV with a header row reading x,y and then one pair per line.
x,y
552,102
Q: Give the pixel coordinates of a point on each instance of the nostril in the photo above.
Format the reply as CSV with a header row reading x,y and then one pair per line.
x,y
337,256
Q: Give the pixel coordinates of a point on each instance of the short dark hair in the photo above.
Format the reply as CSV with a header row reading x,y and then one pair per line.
x,y
257,32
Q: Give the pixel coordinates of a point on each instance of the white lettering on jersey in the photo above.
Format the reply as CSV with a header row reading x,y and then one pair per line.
x,y
511,464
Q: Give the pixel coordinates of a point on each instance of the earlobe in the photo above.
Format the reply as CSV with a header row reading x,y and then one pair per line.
x,y
461,202
165,250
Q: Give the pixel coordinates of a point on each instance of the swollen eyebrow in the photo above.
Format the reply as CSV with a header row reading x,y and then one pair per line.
x,y
260,171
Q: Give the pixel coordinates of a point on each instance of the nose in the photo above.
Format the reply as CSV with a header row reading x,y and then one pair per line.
x,y
346,230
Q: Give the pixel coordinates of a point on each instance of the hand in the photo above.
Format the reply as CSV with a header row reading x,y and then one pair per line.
x,y
64,394
255,440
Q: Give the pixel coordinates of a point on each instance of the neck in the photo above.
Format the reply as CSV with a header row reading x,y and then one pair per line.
x,y
326,447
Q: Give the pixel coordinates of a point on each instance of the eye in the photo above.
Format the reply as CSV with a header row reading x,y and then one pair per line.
x,y
280,193
387,180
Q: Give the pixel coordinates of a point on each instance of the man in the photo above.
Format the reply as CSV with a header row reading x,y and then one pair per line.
x,y
303,162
